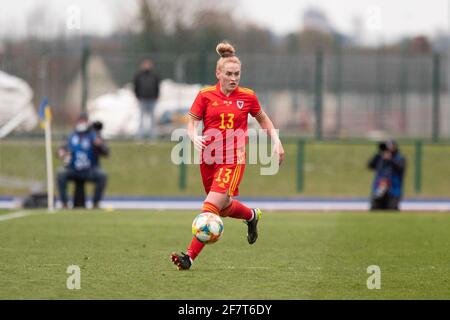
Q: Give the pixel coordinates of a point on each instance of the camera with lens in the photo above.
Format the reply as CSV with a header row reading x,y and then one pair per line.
x,y
97,126
382,146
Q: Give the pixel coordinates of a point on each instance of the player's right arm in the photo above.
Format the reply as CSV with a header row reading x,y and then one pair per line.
x,y
196,114
192,128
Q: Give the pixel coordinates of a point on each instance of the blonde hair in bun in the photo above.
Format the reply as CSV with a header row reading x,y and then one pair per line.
x,y
227,53
225,49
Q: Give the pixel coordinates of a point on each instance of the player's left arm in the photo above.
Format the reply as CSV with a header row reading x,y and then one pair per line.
x,y
266,124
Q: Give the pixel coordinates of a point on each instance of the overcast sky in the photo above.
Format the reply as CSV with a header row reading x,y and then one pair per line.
x,y
379,19
395,16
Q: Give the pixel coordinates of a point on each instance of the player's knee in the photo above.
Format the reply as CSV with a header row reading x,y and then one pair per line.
x,y
226,209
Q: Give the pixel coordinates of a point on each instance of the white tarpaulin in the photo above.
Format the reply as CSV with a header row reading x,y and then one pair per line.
x,y
16,108
119,111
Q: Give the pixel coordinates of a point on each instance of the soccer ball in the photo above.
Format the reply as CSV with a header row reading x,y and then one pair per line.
x,y
207,227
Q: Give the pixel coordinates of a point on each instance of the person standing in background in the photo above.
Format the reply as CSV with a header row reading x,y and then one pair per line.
x,y
146,88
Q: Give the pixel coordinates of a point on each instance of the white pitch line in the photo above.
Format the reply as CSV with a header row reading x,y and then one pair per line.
x,y
14,215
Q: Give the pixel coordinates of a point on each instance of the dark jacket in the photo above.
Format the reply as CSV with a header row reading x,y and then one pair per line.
x,y
146,85
391,170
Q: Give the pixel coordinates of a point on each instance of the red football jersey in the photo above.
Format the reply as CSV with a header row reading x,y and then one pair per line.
x,y
225,120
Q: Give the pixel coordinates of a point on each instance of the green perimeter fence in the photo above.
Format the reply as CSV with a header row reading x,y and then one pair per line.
x,y
311,168
344,93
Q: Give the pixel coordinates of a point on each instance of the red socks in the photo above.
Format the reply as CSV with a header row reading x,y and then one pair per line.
x,y
194,248
237,210
196,245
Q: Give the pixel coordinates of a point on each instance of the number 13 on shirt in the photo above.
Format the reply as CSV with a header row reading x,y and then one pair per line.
x,y
229,123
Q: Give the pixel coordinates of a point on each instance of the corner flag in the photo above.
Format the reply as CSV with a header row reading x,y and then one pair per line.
x,y
45,116
45,113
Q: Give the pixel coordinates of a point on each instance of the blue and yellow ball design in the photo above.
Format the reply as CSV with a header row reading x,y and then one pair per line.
x,y
207,227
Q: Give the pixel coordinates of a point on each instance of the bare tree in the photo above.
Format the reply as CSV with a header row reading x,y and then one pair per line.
x,y
40,24
170,15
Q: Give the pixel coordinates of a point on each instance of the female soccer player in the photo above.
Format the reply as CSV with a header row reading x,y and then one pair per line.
x,y
224,110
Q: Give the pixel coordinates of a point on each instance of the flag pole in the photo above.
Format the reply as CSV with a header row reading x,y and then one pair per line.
x,y
49,158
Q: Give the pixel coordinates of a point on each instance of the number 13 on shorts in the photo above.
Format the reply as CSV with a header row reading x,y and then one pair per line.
x,y
228,179
224,175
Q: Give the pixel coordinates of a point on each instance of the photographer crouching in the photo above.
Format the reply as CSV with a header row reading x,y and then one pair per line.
x,y
81,156
389,166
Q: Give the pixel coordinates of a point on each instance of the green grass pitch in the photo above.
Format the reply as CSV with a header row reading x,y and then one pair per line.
x,y
125,255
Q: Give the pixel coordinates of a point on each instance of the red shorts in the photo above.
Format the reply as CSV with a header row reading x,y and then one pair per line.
x,y
222,178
